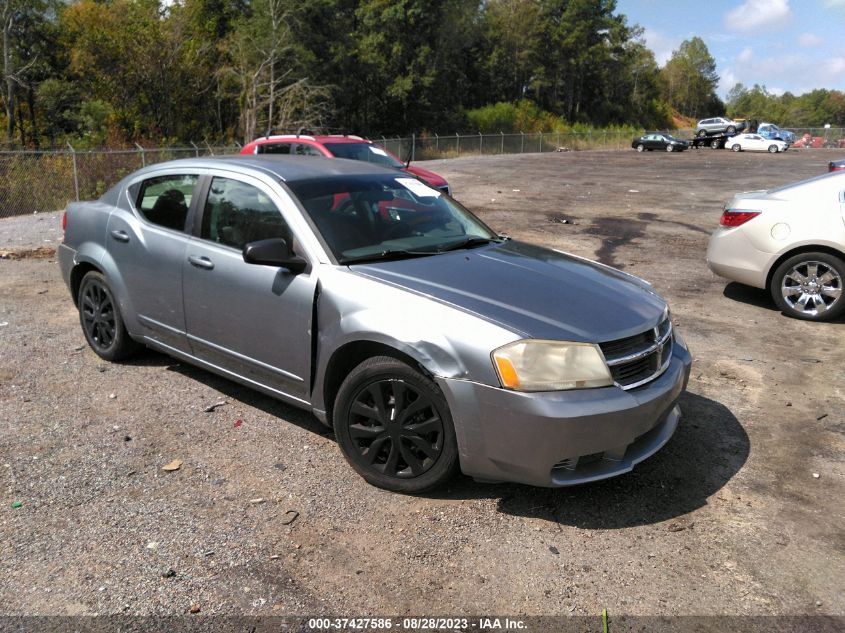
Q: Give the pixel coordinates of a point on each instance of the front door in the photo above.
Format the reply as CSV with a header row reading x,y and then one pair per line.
x,y
252,320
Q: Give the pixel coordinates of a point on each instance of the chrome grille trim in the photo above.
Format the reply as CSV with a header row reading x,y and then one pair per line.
x,y
659,347
652,348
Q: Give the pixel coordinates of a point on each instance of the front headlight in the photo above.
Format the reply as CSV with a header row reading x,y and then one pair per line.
x,y
537,365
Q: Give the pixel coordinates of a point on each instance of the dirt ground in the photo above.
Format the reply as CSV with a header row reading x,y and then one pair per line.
x,y
729,518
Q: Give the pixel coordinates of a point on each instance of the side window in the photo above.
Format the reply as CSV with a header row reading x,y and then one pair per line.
x,y
304,149
273,148
237,213
165,200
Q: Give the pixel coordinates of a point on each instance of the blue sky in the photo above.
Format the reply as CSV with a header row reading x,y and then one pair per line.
x,y
786,45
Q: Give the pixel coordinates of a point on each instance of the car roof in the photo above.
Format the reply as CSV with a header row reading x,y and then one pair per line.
x,y
325,138
286,168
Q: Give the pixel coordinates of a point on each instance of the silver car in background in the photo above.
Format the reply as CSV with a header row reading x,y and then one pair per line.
x,y
718,125
427,341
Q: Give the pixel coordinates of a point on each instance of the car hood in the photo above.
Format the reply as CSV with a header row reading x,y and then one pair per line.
x,y
533,291
429,176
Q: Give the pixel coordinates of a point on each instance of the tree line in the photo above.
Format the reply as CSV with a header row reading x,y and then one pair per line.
x,y
97,72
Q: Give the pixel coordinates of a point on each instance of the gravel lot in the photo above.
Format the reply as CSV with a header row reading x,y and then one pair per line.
x,y
728,519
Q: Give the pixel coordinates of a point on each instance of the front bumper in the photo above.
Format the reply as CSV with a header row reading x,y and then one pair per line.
x,y
555,439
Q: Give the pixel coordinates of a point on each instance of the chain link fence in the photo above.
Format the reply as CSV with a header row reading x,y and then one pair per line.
x,y
33,182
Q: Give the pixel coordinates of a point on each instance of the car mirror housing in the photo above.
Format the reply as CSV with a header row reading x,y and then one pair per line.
x,y
273,252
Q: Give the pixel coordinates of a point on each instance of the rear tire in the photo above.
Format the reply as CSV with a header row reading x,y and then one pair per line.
x,y
731,130
394,427
736,147
701,133
714,145
808,286
101,321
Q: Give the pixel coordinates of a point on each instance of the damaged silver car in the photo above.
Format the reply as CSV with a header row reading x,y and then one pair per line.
x,y
426,340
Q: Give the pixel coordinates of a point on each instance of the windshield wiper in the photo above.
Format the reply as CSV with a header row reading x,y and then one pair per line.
x,y
385,255
467,243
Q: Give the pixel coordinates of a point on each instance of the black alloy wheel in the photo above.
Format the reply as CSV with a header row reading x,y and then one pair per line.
x,y
101,321
394,427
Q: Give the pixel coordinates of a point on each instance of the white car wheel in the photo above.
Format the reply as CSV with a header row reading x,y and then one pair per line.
x,y
773,149
736,147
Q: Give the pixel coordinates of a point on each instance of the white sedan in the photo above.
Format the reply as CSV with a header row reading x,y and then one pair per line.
x,y
755,143
789,240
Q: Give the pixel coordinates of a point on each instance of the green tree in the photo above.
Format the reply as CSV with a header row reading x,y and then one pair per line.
x,y
689,80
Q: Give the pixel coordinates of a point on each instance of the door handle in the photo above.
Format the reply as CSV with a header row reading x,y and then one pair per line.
x,y
201,262
120,236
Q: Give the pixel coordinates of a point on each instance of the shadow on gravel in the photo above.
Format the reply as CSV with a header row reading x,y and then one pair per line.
x,y
708,449
234,391
756,297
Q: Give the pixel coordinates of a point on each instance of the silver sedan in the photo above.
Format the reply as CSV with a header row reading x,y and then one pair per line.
x,y
427,341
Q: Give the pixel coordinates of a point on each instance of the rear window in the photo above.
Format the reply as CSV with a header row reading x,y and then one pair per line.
x,y
165,200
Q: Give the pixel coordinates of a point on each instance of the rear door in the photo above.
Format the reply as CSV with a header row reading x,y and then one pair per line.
x,y
148,247
251,320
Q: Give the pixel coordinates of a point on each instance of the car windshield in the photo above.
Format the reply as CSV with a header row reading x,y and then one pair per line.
x,y
377,217
363,151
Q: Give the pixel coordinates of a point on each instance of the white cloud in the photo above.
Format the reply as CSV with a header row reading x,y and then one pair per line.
x,y
661,45
755,14
727,80
834,4
745,55
809,40
835,66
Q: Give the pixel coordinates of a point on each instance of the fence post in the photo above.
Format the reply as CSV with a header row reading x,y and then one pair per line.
x,y
75,173
196,149
605,138
458,142
541,142
143,157
480,143
503,141
558,140
437,144
413,145
522,142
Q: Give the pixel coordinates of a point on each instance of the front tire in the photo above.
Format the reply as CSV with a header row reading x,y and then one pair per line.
x,y
101,321
773,149
640,148
731,130
394,427
701,133
669,148
808,286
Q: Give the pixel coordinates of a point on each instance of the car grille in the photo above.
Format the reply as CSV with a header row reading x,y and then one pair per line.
x,y
636,360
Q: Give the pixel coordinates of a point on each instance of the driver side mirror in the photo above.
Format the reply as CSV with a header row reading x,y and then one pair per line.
x,y
274,252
